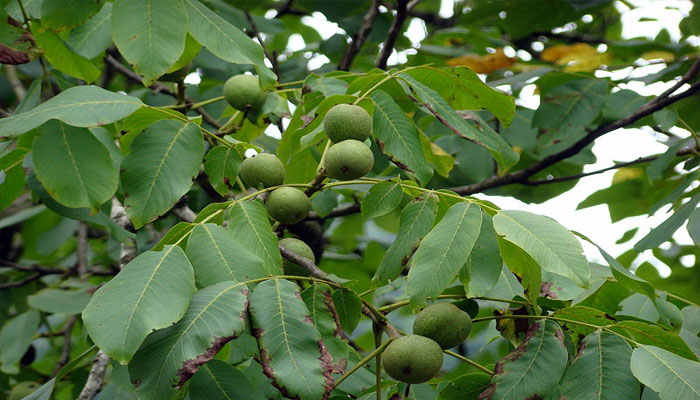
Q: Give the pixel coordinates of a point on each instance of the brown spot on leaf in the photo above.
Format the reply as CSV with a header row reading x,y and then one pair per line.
x,y
189,367
546,290
486,394
328,369
328,301
560,335
580,350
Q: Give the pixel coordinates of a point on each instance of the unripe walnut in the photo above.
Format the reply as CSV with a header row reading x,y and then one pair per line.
x,y
445,323
349,159
243,93
288,205
412,359
298,247
347,121
263,170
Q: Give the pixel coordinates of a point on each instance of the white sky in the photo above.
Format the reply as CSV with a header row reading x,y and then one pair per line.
x,y
621,145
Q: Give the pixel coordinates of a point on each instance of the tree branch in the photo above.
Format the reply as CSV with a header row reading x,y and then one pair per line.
x,y
254,30
127,253
359,39
159,88
640,160
401,14
341,211
522,175
317,272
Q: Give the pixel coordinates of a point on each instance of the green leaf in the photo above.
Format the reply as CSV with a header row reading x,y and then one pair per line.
x,y
78,106
443,252
534,368
217,257
666,229
150,34
382,199
465,387
175,235
63,58
170,356
646,333
61,14
94,36
484,264
225,40
601,370
15,338
326,85
289,343
639,306
587,315
139,300
74,166
551,245
222,165
164,160
81,214
218,380
479,133
567,110
348,307
657,167
521,264
59,301
673,377
398,136
11,176
691,328
463,90
693,226
250,227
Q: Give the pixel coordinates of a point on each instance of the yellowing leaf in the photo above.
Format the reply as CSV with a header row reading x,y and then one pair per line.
x,y
658,54
576,57
484,64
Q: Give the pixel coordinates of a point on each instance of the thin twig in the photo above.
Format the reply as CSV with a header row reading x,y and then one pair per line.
x,y
375,316
20,282
401,14
159,88
256,32
600,171
96,377
65,351
359,39
82,250
522,175
15,83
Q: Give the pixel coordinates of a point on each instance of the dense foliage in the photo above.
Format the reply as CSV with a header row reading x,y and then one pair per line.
x,y
145,254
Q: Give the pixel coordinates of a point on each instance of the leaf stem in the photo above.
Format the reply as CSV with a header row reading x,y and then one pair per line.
x,y
194,105
468,361
364,361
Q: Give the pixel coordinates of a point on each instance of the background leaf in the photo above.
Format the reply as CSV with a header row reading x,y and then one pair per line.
x,y
647,333
134,303
15,339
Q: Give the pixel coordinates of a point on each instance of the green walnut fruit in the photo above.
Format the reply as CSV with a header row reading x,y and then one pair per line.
x,y
298,247
22,390
349,159
347,121
263,170
412,359
445,323
243,93
288,205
